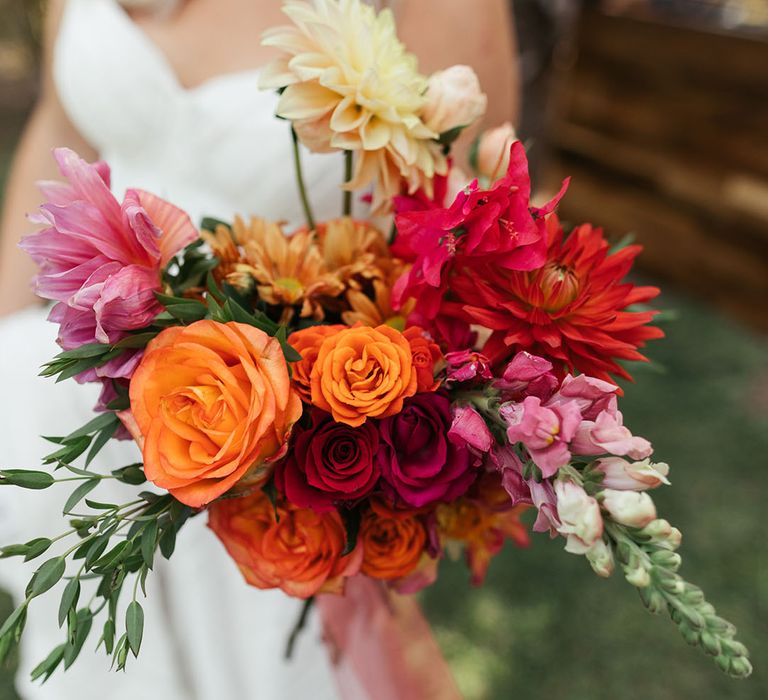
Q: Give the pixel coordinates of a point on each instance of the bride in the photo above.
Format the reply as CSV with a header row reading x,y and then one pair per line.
x,y
166,92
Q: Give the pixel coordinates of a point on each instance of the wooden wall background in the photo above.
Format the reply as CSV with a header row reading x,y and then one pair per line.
x,y
665,132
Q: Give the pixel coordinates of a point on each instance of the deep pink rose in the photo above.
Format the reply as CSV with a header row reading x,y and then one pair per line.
x,y
329,462
419,464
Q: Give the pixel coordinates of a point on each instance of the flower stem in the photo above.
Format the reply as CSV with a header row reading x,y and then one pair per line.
x,y
299,626
300,181
347,198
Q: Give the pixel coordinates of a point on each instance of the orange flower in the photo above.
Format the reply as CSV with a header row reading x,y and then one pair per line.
x,y
352,249
426,357
362,372
307,343
373,306
212,403
294,549
393,542
482,520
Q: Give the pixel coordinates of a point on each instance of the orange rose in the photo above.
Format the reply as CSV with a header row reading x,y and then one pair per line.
x,y
363,372
212,403
307,343
295,549
393,542
426,358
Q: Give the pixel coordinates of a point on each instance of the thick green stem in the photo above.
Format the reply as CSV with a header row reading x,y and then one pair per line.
x,y
346,209
300,181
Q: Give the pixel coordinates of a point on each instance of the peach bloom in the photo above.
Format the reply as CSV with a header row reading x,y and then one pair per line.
x,y
363,372
214,405
493,151
393,542
307,343
427,358
282,546
454,99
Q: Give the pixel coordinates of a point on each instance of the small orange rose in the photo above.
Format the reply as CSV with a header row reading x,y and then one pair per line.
x,y
307,343
363,372
393,542
294,549
426,356
212,403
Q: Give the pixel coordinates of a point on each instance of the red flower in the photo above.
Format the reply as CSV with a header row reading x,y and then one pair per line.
x,y
572,310
497,225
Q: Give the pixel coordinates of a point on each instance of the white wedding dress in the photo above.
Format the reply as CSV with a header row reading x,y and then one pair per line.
x,y
214,150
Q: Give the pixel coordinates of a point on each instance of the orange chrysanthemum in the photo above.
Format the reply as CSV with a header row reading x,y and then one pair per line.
x,y
573,310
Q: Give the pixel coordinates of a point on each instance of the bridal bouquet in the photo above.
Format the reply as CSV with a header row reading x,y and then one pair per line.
x,y
338,402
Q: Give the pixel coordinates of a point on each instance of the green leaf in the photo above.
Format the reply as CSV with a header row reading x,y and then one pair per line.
x,y
70,452
108,636
26,479
137,340
46,577
100,422
133,474
114,556
210,223
69,599
101,439
14,620
83,629
49,665
168,542
96,549
13,550
351,520
134,626
149,543
79,494
213,290
36,547
98,505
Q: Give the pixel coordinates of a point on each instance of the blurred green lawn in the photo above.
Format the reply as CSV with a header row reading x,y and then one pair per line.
x,y
544,626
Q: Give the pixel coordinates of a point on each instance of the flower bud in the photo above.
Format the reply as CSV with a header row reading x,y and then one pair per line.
x,y
579,514
637,576
493,151
632,476
600,558
630,508
454,99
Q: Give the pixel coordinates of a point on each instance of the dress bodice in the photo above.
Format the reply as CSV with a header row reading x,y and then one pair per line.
x,y
215,149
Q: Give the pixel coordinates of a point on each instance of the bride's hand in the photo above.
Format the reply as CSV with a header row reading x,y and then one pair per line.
x,y
48,127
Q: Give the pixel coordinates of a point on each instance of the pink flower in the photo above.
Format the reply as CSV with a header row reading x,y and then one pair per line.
x,y
632,476
493,151
99,259
579,516
592,395
607,435
454,99
466,365
469,430
545,431
545,501
527,375
630,508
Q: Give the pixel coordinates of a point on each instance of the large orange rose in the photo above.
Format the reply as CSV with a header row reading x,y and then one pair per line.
x,y
427,358
307,343
363,372
294,549
213,403
393,542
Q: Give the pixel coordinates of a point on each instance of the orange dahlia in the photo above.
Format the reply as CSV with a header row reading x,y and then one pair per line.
x,y
574,310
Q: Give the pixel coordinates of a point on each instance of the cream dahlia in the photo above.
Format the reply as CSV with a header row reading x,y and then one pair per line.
x,y
349,84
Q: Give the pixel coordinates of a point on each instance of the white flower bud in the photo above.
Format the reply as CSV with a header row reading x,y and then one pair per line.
x,y
493,151
638,576
454,99
630,508
579,514
600,557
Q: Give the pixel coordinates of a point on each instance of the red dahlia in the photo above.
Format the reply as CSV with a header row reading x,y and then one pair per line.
x,y
572,310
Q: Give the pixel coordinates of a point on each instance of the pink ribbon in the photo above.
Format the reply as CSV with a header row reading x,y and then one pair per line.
x,y
381,646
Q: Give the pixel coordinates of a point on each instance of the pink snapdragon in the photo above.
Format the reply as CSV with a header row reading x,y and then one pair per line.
x,y
469,429
467,365
621,475
631,508
608,435
527,375
545,431
99,259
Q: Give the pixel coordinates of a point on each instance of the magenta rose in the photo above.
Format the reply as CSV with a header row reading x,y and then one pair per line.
x,y
419,464
329,462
